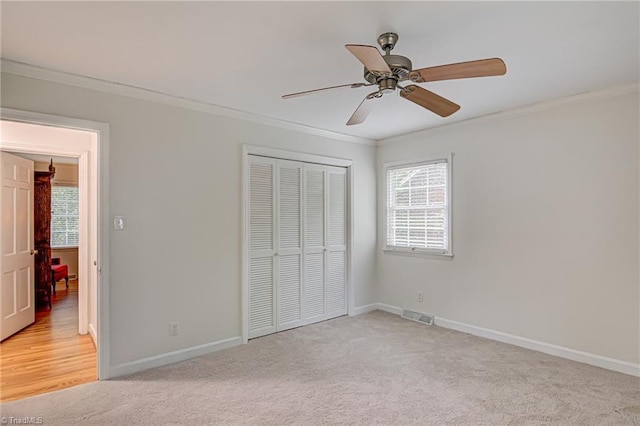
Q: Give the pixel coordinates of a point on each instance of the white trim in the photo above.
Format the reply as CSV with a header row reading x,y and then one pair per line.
x,y
84,241
415,251
389,308
56,182
610,92
420,161
296,156
351,292
359,310
244,273
40,73
99,149
94,335
136,366
547,348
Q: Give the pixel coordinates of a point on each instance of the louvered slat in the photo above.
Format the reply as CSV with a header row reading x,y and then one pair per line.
x,y
289,289
261,206
260,293
289,207
314,207
337,281
314,284
337,209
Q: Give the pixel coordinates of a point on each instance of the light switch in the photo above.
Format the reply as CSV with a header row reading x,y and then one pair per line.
x,y
118,222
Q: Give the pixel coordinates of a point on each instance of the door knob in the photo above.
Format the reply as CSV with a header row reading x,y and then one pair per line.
x,y
34,252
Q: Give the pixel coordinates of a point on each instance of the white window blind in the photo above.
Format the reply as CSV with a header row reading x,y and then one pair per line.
x,y
418,206
64,216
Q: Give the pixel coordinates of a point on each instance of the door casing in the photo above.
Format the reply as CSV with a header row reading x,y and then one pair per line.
x,y
93,162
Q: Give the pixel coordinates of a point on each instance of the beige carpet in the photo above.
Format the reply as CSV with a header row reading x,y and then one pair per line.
x,y
374,369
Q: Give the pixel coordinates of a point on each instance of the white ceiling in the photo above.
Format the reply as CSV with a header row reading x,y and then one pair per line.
x,y
246,55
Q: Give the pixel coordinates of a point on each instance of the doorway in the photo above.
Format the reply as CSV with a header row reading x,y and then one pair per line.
x,y
87,143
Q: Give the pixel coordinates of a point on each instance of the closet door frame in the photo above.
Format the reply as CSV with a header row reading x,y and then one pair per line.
x,y
278,154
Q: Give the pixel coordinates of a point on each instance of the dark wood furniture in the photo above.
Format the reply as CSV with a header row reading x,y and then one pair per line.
x,y
42,234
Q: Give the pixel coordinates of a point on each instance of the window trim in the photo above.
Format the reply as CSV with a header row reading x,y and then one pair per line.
x,y
415,251
65,185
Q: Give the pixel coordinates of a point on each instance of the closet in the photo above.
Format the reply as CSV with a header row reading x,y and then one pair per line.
x,y
297,248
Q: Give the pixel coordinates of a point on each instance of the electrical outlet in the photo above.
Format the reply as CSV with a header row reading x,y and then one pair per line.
x,y
420,296
174,328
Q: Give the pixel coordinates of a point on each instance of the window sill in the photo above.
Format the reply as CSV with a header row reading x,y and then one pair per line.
x,y
411,253
64,247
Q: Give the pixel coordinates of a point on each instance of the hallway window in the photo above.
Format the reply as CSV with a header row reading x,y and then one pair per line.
x,y
64,216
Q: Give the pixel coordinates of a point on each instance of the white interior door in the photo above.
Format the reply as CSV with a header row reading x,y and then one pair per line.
x,y
17,307
336,282
314,243
289,243
262,270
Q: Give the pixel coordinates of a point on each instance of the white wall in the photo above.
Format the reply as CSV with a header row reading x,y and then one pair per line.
x,y
175,175
545,227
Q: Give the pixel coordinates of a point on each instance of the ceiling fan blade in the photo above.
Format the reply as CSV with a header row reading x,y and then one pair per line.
x,y
429,100
362,112
480,68
370,58
308,92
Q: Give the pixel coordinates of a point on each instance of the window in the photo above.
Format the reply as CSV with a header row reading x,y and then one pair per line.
x,y
418,207
64,216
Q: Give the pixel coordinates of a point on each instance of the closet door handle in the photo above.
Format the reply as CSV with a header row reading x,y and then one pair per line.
x,y
34,252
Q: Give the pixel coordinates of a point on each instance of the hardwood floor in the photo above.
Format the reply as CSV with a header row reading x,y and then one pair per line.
x,y
49,354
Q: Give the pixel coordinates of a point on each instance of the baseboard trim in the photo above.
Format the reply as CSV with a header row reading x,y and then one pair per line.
x,y
171,357
389,308
94,335
363,309
548,348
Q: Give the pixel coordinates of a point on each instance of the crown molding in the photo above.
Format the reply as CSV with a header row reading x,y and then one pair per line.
x,y
40,73
610,92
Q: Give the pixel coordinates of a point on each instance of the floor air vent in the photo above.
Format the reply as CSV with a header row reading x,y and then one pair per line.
x,y
417,317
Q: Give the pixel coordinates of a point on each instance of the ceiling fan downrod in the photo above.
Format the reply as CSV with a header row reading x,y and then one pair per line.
x,y
387,41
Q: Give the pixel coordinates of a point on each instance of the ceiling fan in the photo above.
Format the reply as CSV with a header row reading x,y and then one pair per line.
x,y
388,70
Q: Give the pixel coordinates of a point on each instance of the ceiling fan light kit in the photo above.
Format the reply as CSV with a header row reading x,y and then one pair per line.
x,y
388,70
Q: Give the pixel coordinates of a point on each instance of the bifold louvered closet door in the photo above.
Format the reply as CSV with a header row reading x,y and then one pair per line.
x,y
297,244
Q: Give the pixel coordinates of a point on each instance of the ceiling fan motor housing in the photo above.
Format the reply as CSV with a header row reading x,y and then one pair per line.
x,y
400,67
